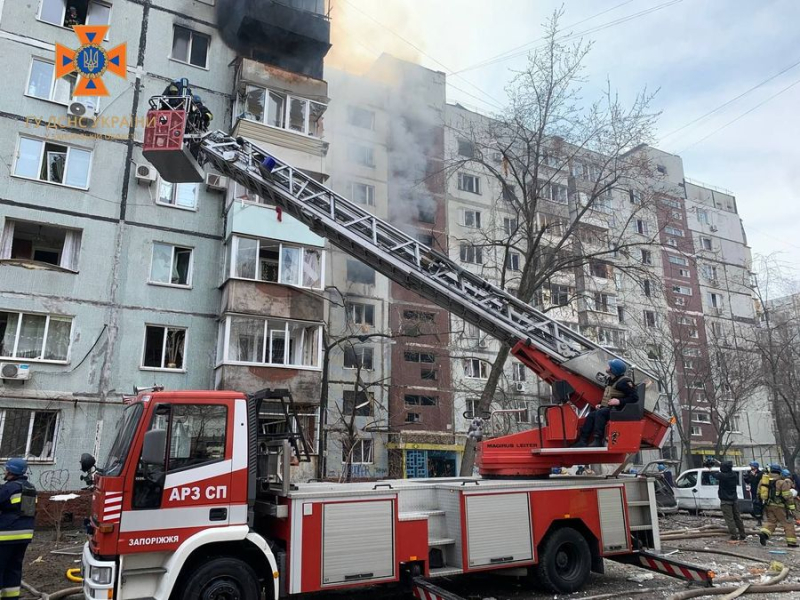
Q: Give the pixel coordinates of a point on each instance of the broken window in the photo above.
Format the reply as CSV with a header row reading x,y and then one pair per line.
x,y
272,342
357,403
22,240
361,155
466,148
35,336
471,218
281,110
163,347
475,368
426,212
54,163
68,13
361,117
267,260
559,295
418,400
706,243
606,303
419,357
600,269
171,265
190,47
469,183
362,193
359,454
179,195
358,272
646,257
360,313
513,261
42,83
356,357
649,318
413,417
28,433
472,254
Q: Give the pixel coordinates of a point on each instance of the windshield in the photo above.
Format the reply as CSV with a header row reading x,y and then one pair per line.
x,y
122,440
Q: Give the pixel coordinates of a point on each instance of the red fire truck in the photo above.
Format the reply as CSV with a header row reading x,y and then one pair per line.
x,y
194,500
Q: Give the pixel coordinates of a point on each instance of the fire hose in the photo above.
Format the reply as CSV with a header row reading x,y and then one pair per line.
x,y
65,593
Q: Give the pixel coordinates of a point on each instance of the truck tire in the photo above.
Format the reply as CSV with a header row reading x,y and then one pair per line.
x,y
565,561
222,579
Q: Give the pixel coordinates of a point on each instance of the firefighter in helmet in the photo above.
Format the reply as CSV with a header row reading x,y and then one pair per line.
x,y
17,513
776,494
620,390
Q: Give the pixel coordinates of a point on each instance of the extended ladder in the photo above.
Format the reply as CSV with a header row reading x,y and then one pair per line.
x,y
399,256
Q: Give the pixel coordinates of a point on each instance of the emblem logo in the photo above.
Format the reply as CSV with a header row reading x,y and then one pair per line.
x,y
91,61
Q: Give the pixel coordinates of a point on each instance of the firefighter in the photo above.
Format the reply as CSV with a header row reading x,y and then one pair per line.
x,y
17,513
200,117
176,91
753,478
776,494
620,390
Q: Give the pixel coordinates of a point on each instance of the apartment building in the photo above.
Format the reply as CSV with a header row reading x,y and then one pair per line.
x,y
111,278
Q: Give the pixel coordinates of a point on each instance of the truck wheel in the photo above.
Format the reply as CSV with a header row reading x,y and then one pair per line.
x,y
564,561
222,579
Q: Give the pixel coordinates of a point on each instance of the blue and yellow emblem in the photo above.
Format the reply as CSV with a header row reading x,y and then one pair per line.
x,y
91,60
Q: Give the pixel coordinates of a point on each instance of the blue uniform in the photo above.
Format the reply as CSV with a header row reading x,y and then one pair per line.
x,y
16,532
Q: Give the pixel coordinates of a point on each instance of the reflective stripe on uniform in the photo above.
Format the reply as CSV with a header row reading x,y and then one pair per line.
x,y
13,536
10,592
16,499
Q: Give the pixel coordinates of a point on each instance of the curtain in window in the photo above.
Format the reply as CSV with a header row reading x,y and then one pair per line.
x,y
71,250
7,241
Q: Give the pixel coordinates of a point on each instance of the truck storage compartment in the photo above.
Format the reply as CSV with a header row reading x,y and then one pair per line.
x,y
357,541
498,529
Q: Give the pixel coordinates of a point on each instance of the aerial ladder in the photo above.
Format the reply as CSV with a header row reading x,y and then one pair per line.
x,y
571,363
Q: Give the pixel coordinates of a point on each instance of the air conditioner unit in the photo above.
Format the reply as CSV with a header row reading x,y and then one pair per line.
x,y
83,112
20,372
482,343
497,157
145,174
217,182
714,228
519,386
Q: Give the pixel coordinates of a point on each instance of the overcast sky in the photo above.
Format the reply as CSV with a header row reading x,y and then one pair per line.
x,y
699,54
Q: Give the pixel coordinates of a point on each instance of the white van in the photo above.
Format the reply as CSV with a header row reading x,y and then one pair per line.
x,y
696,489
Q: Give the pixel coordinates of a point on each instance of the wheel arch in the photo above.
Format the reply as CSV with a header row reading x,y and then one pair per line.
x,y
234,542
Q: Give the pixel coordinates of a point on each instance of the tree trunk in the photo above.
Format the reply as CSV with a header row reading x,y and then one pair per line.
x,y
468,459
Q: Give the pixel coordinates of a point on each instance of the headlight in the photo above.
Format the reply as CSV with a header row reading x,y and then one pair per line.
x,y
100,575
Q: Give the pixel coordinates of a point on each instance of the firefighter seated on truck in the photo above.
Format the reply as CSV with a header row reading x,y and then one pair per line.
x,y
620,390
776,494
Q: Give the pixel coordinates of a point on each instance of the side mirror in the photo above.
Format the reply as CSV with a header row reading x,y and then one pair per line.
x,y
154,447
87,462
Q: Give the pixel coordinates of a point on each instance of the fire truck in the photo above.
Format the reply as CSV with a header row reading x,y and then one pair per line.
x,y
223,521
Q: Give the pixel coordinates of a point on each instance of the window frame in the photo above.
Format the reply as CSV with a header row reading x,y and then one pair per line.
x,y
280,244
472,214
359,351
38,461
18,333
44,143
359,264
308,129
174,196
265,351
465,249
192,33
370,193
482,366
353,109
513,261
39,18
53,81
350,309
361,442
190,271
352,147
182,368
463,177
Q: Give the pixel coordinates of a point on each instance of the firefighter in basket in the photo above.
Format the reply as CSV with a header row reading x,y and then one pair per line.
x,y
17,513
620,390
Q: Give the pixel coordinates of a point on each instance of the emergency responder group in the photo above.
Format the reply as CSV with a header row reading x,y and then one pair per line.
x,y
17,514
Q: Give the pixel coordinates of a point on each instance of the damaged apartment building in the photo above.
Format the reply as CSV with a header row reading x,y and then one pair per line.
x,y
111,278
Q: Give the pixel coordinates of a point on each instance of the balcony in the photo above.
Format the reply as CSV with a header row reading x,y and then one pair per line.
x,y
291,34
270,299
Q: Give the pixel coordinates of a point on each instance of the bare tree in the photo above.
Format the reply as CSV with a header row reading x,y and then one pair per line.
x,y
558,160
778,347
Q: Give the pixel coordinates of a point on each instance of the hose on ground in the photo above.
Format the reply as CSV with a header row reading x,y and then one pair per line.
x,y
65,593
74,575
748,588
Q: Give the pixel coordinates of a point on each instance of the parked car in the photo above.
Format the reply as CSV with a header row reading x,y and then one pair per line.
x,y
696,490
